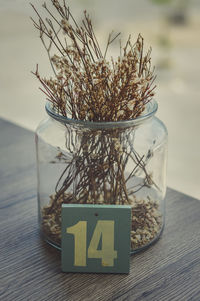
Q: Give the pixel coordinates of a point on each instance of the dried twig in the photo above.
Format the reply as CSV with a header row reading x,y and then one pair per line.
x,y
88,87
94,89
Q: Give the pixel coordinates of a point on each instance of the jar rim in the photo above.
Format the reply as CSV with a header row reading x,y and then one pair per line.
x,y
150,109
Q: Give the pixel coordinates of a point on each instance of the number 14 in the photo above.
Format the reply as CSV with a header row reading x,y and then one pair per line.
x,y
104,230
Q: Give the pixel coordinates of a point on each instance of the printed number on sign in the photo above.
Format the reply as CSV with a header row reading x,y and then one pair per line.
x,y
103,231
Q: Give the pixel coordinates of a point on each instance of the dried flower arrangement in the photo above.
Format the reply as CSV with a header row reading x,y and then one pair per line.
x,y
89,87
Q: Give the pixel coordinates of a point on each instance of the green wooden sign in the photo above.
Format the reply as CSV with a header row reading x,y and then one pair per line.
x,y
96,238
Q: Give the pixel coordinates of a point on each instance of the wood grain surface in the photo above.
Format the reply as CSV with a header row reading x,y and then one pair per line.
x,y
30,269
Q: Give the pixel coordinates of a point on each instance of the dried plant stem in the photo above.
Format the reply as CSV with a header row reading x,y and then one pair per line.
x,y
89,87
98,166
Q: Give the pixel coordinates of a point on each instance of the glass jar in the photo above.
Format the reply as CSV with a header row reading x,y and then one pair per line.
x,y
122,163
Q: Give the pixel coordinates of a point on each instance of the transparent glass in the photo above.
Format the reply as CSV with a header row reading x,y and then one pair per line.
x,y
103,163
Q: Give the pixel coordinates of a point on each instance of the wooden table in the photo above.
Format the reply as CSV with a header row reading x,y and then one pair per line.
x,y
30,269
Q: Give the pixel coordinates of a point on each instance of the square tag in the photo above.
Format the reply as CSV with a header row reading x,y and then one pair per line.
x,y
96,238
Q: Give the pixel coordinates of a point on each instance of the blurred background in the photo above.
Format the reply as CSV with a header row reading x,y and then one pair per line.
x,y
172,28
